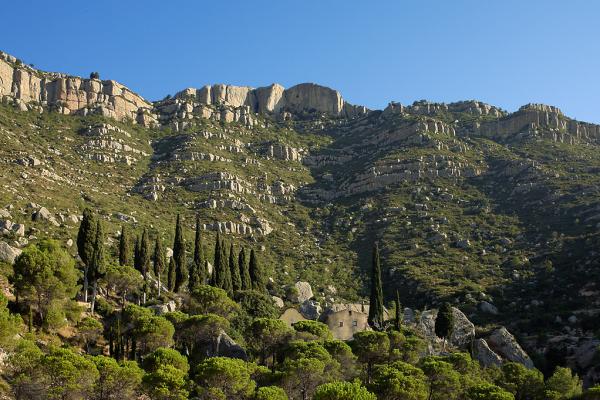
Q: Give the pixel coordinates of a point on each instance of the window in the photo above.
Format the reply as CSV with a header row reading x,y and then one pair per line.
x,y
349,312
341,324
355,323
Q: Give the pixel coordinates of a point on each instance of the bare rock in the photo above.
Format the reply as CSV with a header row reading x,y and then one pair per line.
x,y
488,308
278,301
311,309
504,344
485,355
304,291
8,253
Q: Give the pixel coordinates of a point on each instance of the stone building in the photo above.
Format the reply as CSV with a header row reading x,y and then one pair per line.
x,y
344,320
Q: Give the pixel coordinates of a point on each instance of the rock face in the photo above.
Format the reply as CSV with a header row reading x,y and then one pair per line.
x,y
311,309
305,97
463,330
503,343
68,94
485,355
227,347
304,291
541,119
8,253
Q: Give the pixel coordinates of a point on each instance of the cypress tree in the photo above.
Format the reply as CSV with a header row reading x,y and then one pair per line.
x,y
398,322
97,267
181,273
236,279
244,271
136,255
159,262
444,323
375,318
257,277
198,272
224,271
171,275
124,251
144,262
86,239
215,280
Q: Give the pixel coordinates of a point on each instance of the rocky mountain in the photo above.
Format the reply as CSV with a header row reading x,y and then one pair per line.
x,y
496,211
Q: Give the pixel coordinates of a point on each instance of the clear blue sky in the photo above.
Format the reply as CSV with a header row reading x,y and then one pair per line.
x,y
504,52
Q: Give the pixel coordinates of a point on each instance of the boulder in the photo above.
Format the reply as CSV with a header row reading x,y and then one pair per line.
x,y
485,355
503,343
488,308
5,214
311,309
463,330
304,291
18,229
160,309
278,301
227,347
8,253
42,214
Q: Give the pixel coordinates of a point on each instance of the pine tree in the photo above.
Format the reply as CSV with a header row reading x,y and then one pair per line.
x,y
171,275
181,273
159,262
97,267
124,251
444,323
236,279
86,239
244,271
144,262
375,318
257,277
215,280
398,321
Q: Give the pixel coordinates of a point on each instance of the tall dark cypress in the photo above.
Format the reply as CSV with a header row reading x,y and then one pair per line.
x,y
97,267
444,323
124,250
198,272
86,239
224,271
398,321
257,277
144,262
136,254
244,271
171,275
181,273
234,270
144,255
375,318
159,262
215,280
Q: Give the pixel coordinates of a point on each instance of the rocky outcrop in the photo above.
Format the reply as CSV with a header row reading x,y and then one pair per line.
x,y
274,99
106,144
284,152
486,356
543,120
503,343
463,330
304,292
8,253
68,94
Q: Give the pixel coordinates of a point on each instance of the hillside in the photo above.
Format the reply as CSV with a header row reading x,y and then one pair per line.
x,y
469,202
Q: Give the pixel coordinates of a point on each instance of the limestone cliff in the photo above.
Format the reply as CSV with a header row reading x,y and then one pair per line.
x,y
305,97
30,88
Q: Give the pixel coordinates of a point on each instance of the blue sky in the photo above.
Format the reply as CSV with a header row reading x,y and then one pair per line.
x,y
506,53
